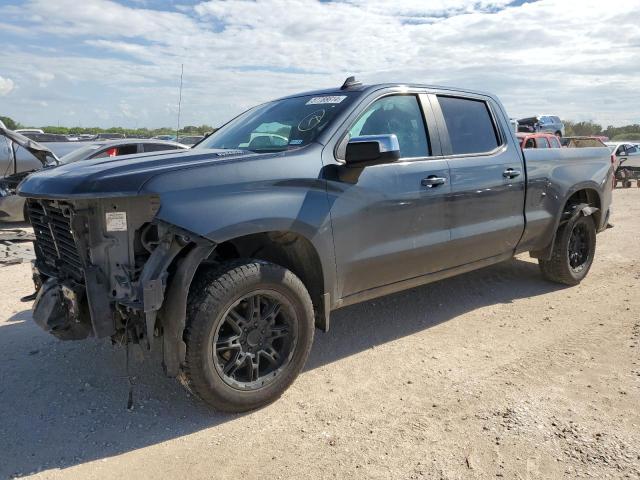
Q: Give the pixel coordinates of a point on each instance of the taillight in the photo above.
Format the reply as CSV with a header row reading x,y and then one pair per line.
x,y
112,152
613,162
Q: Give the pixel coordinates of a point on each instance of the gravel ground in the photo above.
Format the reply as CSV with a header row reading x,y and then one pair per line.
x,y
495,373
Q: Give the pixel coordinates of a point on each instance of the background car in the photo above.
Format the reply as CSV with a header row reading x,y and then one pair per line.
x,y
17,169
116,148
25,131
628,165
110,136
42,137
542,123
538,140
190,140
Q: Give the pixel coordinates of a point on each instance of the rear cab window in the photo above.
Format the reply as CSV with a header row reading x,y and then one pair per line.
x,y
471,126
541,142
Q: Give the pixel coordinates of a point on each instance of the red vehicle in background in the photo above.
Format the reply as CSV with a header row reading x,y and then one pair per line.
x,y
538,140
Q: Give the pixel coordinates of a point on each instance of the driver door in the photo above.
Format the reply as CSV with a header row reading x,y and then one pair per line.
x,y
389,223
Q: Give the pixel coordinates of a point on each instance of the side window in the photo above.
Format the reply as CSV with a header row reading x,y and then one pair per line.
x,y
541,142
157,147
126,150
400,115
621,150
632,150
471,128
555,143
117,151
530,143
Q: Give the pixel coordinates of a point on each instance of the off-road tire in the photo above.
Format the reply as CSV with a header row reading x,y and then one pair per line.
x,y
558,269
210,296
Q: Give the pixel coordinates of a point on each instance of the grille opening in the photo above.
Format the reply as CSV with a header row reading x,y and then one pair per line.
x,y
55,245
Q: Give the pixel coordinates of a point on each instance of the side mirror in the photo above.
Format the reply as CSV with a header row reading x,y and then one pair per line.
x,y
370,150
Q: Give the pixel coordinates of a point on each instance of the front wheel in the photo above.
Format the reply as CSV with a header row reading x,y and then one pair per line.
x,y
250,326
573,252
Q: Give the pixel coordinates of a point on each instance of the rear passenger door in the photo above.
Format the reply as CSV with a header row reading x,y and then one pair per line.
x,y
487,178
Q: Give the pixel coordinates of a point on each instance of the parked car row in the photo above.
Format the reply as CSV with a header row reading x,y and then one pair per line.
x,y
40,136
23,156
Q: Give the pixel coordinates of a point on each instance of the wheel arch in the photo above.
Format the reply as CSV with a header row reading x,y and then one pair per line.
x,y
286,248
583,199
289,249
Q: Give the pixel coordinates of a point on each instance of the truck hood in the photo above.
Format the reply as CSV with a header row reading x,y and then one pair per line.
x,y
42,153
124,176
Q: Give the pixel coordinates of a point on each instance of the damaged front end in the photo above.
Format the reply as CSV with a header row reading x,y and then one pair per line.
x,y
108,268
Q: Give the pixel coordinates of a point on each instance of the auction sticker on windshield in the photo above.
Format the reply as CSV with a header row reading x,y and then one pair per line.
x,y
326,99
116,221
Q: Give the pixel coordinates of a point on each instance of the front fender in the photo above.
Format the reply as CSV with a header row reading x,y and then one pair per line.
x,y
230,210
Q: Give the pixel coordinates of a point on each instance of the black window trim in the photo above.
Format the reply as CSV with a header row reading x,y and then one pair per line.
x,y
447,149
428,121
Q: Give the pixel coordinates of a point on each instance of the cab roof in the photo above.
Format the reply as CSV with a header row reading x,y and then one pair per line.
x,y
364,89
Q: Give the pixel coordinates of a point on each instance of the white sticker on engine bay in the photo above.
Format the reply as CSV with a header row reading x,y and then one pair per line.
x,y
116,221
326,99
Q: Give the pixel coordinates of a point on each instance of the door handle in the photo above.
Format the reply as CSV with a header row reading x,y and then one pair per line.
x,y
510,173
433,181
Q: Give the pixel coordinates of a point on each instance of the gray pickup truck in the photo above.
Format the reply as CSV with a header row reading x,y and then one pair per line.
x,y
228,255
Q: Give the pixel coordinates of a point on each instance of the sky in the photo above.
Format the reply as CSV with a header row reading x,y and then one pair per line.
x,y
117,63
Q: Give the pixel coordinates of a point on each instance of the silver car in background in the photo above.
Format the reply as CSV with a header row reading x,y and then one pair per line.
x,y
542,124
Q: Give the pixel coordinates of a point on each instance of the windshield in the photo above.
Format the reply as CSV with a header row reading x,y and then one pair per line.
x,y
280,125
80,154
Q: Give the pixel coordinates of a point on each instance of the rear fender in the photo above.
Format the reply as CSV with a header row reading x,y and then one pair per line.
x,y
566,215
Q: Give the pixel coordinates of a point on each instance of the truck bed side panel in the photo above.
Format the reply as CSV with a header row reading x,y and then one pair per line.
x,y
553,175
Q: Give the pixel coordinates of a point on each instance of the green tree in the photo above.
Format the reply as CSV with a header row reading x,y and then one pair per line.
x,y
632,137
578,129
10,123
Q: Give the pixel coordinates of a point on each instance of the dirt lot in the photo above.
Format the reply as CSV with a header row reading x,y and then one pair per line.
x,y
492,374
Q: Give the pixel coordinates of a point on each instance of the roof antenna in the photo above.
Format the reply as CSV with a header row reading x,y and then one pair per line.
x,y
179,101
350,82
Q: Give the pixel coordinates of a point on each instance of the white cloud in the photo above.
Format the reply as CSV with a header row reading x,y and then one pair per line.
x,y
126,110
44,78
552,55
6,85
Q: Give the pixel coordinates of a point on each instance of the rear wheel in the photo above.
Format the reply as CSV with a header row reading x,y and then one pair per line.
x,y
572,253
249,330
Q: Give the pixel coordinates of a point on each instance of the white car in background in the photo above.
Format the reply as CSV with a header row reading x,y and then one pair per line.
x,y
624,150
628,156
28,130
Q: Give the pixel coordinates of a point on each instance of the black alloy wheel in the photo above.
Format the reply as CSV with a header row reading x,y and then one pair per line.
x,y
250,326
578,248
255,340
